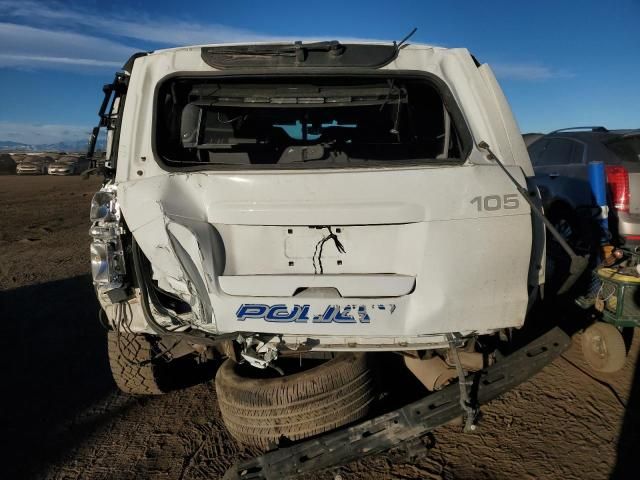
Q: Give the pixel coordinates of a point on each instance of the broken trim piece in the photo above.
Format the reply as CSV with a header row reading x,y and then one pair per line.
x,y
191,334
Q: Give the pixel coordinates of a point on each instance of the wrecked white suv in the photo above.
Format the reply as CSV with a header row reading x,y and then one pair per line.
x,y
300,208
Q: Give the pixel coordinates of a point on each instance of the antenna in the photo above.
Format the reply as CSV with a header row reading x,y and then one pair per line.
x,y
398,45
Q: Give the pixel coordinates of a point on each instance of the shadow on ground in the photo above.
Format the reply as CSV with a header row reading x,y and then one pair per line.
x,y
54,368
57,392
628,461
572,319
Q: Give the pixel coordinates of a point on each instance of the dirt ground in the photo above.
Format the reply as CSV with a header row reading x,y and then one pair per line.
x,y
62,418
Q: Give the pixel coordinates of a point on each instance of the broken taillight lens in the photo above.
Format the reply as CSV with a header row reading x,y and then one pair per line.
x,y
618,183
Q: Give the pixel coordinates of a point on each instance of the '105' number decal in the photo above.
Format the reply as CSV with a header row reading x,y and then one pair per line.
x,y
491,203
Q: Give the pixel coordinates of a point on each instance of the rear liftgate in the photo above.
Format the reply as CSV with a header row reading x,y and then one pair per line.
x,y
406,425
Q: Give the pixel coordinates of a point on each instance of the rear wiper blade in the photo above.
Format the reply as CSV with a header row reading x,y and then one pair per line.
x,y
297,49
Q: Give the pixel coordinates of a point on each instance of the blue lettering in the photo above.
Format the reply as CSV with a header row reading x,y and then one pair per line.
x,y
344,316
280,313
362,313
327,316
251,311
304,313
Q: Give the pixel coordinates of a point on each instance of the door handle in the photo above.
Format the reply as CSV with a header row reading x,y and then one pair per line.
x,y
554,175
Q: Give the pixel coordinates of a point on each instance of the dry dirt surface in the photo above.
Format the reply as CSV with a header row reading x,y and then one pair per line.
x,y
62,418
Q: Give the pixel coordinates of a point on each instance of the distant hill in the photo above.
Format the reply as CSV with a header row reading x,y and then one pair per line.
x,y
64,146
7,145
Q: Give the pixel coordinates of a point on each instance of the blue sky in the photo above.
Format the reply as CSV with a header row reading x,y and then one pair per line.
x,y
560,63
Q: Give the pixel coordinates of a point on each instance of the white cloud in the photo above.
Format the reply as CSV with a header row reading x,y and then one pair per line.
x,y
30,60
67,36
160,30
34,134
56,36
22,46
532,72
164,31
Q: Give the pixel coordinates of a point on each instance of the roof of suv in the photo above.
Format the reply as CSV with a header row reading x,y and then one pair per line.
x,y
598,134
584,136
600,141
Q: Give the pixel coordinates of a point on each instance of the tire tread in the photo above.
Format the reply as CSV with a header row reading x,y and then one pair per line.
x,y
133,378
260,412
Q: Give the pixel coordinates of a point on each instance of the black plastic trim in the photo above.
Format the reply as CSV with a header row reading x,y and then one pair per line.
x,y
300,55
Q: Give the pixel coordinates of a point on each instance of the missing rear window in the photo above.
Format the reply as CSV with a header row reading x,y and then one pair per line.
x,y
303,122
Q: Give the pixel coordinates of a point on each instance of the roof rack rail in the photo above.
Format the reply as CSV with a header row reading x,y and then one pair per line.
x,y
592,128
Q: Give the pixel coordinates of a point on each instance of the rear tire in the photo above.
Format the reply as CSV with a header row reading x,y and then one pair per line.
x,y
261,411
603,348
131,365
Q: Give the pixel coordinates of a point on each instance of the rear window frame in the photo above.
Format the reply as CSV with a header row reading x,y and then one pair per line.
x,y
457,118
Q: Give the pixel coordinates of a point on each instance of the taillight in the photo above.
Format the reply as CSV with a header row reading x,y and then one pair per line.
x,y
618,183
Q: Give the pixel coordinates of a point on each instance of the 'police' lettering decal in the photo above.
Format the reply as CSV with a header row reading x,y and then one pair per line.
x,y
303,314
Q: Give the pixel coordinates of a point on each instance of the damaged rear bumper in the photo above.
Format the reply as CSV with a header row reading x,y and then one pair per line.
x,y
406,423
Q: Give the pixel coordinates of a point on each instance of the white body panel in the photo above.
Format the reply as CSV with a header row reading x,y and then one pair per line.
x,y
469,276
434,261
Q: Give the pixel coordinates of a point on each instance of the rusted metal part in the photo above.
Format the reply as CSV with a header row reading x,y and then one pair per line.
x,y
468,405
471,361
405,424
435,373
432,372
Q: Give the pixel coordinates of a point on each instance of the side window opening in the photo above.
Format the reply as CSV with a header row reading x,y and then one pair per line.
x,y
536,150
626,147
557,151
331,121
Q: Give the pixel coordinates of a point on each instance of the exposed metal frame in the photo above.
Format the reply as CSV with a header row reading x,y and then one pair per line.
x,y
406,424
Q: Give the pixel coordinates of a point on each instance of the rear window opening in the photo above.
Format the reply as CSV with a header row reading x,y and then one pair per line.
x,y
312,122
626,147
